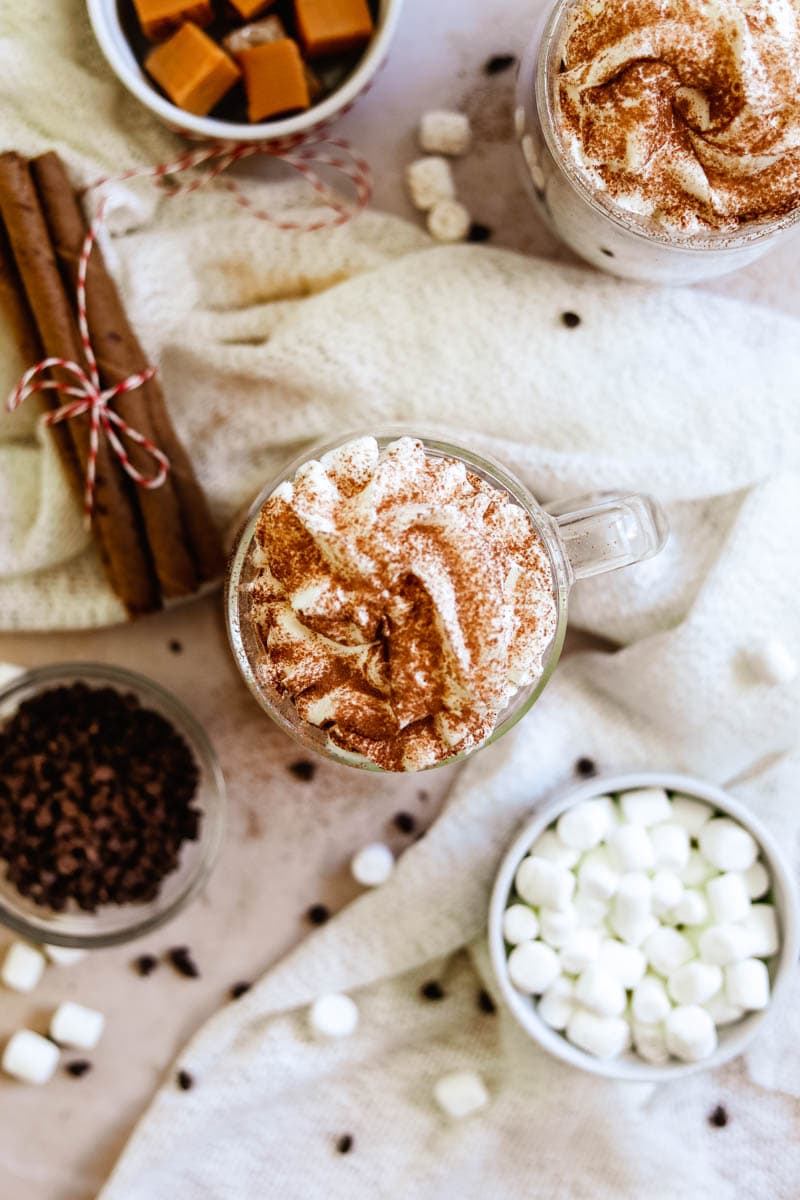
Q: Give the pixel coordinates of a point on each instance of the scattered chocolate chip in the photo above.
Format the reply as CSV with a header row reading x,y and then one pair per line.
x,y
185,1081
570,319
404,822
345,1143
176,647
719,1117
239,989
586,767
423,797
562,66
608,253
80,1066
432,990
182,961
479,233
318,914
145,964
499,63
303,769
485,1002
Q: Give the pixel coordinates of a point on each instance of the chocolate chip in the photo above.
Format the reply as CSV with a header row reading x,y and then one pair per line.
x,y
485,1002
404,822
80,1066
345,1143
182,961
145,964
570,319
185,1081
423,797
499,63
239,989
608,253
479,233
432,990
586,767
304,770
318,914
176,647
719,1117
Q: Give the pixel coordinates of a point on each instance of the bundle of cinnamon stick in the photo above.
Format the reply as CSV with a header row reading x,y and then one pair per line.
x,y
155,545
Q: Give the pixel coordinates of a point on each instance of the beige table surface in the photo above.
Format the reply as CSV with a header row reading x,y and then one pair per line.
x,y
289,842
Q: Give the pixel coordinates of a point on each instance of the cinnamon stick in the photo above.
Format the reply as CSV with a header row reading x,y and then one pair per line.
x,y
116,518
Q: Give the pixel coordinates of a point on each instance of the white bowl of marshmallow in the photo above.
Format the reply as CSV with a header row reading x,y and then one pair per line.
x,y
643,926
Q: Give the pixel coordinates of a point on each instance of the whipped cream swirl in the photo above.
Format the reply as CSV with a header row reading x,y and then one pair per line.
x,y
401,601
685,111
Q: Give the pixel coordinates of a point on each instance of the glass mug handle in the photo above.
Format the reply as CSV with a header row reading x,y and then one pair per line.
x,y
606,531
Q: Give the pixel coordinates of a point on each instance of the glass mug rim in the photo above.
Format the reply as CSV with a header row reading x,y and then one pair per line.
x,y
540,57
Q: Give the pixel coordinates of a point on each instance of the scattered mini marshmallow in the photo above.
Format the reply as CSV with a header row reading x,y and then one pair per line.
x,y
556,927
544,883
650,1003
761,927
9,672
604,1037
64,956
23,967
373,865
646,806
461,1094
650,1042
772,661
557,1004
630,848
551,846
697,871
667,892
691,909
727,845
690,813
445,132
333,1016
723,944
666,949
30,1057
597,879
694,982
626,963
76,1026
581,948
721,1012
429,181
690,1032
747,984
533,967
758,880
520,924
449,221
728,898
671,846
599,991
585,825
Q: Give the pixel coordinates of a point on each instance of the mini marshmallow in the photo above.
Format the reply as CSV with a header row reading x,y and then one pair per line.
x,y
690,813
667,891
761,927
645,806
635,932
727,845
631,910
373,865
758,881
584,825
591,912
697,871
691,1034
581,948
64,956
650,1003
76,1026
771,661
520,924
691,909
445,132
30,1057
597,879
694,983
630,848
721,1012
23,967
723,944
429,181
626,963
728,898
449,221
545,883
333,1016
9,672
555,927
599,991
747,984
461,1094
671,846
650,1042
533,967
666,949
557,1004
604,1037
550,846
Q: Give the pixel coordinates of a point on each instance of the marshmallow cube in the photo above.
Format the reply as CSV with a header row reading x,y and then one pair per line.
x,y
772,662
691,909
691,1033
747,984
585,825
461,1094
429,181
23,967
64,956
550,846
667,891
671,846
723,944
555,928
604,1037
581,948
520,924
758,881
333,1016
694,983
445,132
721,1012
533,967
545,883
761,927
626,963
697,871
630,848
558,1004
666,950
449,221
76,1026
728,898
373,865
650,1042
645,806
690,813
599,991
597,879
728,846
30,1057
650,1003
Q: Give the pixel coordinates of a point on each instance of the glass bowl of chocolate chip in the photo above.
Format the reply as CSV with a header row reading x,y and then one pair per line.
x,y
112,805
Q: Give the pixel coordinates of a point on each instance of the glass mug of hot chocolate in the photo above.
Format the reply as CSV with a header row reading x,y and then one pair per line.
x,y
661,138
396,602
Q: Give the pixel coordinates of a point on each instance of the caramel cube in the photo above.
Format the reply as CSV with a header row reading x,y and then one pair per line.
x,y
275,79
259,33
160,18
332,26
251,8
192,70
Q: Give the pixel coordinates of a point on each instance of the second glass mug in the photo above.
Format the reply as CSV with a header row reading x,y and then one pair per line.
x,y
583,537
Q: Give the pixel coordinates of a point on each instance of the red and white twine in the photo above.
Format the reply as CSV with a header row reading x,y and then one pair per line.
x,y
303,155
